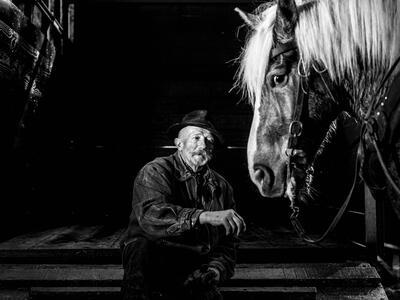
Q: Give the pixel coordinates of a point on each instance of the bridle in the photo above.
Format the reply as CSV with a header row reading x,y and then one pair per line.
x,y
373,129
377,125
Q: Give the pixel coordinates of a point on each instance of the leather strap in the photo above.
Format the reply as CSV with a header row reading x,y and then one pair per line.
x,y
300,229
380,115
295,209
282,48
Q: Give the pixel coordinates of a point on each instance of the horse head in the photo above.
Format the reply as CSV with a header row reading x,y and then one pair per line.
x,y
332,55
272,74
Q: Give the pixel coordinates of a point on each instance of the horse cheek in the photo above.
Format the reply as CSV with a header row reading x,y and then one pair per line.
x,y
252,140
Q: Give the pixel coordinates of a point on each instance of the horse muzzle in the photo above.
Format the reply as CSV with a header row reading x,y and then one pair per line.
x,y
270,183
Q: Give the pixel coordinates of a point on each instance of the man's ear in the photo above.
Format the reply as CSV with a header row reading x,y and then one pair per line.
x,y
178,143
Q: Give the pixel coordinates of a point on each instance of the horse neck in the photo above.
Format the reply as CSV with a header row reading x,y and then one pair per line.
x,y
365,91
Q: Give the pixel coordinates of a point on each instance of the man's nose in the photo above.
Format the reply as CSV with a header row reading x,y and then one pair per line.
x,y
201,143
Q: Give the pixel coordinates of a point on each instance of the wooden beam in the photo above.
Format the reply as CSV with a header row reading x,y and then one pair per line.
x,y
373,224
14,295
231,293
353,293
276,293
314,274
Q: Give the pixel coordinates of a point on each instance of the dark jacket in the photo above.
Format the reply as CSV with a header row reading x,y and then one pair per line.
x,y
168,198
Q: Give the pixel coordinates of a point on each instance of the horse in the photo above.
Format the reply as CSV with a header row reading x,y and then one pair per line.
x,y
305,66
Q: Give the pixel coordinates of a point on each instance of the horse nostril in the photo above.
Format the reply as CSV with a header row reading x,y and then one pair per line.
x,y
263,175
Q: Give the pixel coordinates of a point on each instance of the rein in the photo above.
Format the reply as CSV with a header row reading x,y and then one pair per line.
x,y
369,130
295,131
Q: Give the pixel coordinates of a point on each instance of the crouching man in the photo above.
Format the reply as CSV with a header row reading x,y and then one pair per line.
x,y
180,240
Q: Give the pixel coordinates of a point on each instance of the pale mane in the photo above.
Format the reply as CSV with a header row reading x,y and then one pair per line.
x,y
350,37
255,56
347,37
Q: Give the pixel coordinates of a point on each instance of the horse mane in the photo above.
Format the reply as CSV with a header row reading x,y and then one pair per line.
x,y
348,38
255,56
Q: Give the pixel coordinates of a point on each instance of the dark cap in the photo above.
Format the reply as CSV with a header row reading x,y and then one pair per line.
x,y
196,118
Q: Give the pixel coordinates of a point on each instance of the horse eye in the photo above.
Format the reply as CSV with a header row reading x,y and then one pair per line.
x,y
278,80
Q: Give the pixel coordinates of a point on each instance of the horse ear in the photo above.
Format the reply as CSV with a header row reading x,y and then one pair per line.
x,y
285,21
249,19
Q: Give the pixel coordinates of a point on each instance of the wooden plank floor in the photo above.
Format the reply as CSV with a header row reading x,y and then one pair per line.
x,y
251,281
237,293
100,244
315,274
83,262
113,293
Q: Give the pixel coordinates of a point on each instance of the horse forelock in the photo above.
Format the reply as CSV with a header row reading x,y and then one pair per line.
x,y
255,56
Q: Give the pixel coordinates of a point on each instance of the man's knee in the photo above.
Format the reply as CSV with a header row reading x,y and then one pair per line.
x,y
136,252
135,260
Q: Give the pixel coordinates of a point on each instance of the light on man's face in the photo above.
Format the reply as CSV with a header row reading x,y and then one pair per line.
x,y
196,145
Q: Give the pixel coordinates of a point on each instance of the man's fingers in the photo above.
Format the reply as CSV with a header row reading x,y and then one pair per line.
x,y
227,227
242,221
233,225
239,216
239,225
230,219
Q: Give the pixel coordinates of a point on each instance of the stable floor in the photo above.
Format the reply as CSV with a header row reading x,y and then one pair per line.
x,y
83,262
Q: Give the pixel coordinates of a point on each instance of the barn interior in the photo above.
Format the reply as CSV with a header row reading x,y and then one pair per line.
x,y
113,75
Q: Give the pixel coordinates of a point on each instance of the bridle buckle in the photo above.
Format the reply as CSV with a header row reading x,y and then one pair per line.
x,y
295,128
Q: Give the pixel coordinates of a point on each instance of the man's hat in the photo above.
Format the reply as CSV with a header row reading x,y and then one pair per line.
x,y
196,118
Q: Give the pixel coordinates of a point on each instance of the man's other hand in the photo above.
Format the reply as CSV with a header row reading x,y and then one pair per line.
x,y
229,218
202,278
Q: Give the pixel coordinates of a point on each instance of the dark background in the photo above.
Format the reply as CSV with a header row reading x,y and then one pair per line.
x,y
133,70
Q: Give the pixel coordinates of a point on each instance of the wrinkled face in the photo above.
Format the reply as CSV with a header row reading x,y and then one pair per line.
x,y
196,146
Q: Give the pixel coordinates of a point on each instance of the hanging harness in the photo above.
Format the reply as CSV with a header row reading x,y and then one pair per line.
x,y
381,114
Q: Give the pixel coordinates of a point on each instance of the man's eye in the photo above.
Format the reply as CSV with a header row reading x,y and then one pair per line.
x,y
278,80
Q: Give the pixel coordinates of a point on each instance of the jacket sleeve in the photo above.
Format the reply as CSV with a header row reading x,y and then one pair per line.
x,y
223,255
153,205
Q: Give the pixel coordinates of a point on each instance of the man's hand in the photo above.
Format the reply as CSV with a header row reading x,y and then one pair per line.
x,y
217,274
230,219
202,278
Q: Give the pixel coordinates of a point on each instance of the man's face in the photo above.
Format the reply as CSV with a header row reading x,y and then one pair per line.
x,y
196,145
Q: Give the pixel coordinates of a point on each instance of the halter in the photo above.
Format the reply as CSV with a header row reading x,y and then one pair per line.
x,y
374,129
295,132
296,126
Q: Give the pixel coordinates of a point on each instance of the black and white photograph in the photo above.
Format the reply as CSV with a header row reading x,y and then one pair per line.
x,y
200,149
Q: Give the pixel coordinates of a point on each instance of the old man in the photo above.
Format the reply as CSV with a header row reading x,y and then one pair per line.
x,y
180,241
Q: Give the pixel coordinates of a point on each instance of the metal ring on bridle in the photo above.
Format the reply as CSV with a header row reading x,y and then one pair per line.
x,y
295,128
